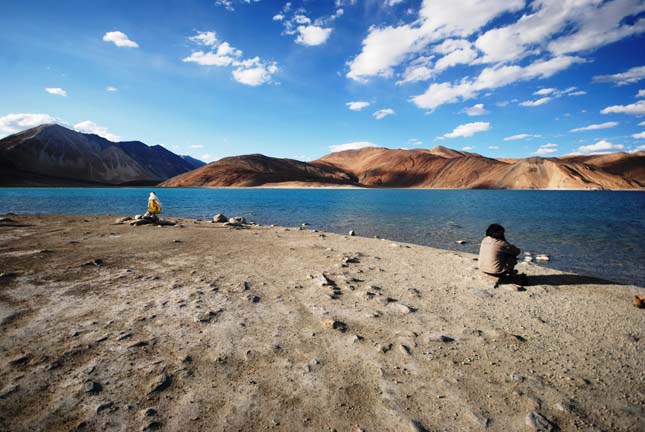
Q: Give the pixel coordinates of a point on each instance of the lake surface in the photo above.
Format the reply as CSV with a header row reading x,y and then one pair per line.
x,y
595,233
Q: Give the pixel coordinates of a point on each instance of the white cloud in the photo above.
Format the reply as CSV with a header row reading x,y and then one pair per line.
x,y
351,146
119,39
208,38
631,76
415,142
357,105
601,147
312,35
640,148
490,78
197,146
642,123
640,94
393,2
111,89
382,113
537,102
475,110
206,157
521,137
467,130
493,147
278,17
577,93
56,91
386,47
90,127
606,125
637,108
640,135
468,148
544,91
13,123
546,149
252,72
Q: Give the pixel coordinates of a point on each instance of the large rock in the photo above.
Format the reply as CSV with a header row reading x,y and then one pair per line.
x,y
219,218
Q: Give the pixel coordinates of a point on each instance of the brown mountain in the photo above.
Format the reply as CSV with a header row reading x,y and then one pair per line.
x,y
52,155
439,167
258,170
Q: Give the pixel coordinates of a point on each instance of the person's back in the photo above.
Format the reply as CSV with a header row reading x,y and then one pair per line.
x,y
497,257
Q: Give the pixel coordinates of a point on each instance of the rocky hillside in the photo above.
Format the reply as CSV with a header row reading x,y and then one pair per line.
x,y
258,170
439,167
52,155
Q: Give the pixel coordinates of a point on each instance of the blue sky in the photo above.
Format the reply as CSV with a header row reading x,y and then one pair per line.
x,y
503,78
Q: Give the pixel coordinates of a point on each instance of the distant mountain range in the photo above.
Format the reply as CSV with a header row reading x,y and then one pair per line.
x,y
53,155
439,167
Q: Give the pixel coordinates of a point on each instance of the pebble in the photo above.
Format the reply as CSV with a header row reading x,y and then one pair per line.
x,y
104,406
352,233
253,298
94,262
539,423
92,387
461,242
440,338
404,309
155,425
159,383
206,317
336,325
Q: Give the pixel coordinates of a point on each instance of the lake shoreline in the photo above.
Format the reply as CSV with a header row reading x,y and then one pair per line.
x,y
221,328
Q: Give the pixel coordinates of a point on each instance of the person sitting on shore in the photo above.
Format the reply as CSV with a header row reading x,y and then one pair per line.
x,y
497,258
154,206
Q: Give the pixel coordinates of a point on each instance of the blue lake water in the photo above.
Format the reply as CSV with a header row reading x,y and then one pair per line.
x,y
594,233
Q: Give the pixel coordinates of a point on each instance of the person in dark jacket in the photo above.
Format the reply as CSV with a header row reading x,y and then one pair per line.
x,y
497,257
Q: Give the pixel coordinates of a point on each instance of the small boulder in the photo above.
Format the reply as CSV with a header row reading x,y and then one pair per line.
x,y
219,218
539,423
352,233
159,383
238,219
336,325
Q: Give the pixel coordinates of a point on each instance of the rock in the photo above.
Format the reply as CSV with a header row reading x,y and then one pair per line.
x,y
404,309
539,423
517,378
386,300
542,257
238,219
8,274
405,349
20,360
253,298
154,425
138,344
123,336
149,412
94,262
92,387
159,383
206,317
639,301
104,406
417,426
352,233
323,280
122,220
336,325
436,337
461,242
482,293
219,218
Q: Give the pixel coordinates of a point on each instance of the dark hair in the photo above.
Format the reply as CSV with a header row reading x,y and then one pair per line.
x,y
495,231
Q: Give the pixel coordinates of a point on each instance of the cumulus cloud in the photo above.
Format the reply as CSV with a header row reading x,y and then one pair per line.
x,y
351,146
111,89
493,147
308,32
537,102
546,149
253,71
475,110
637,108
640,135
597,126
601,147
13,123
312,35
640,94
90,127
467,130
642,123
468,148
490,78
229,5
521,137
382,113
56,91
630,76
357,105
544,91
119,39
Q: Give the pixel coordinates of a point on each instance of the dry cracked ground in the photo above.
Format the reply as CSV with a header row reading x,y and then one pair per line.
x,y
196,327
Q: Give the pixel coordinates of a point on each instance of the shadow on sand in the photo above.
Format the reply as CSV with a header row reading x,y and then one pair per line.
x,y
567,279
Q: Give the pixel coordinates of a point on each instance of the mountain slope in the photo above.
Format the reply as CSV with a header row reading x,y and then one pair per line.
x,y
257,170
57,155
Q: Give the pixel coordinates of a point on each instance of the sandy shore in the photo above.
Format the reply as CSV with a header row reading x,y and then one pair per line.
x,y
204,327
